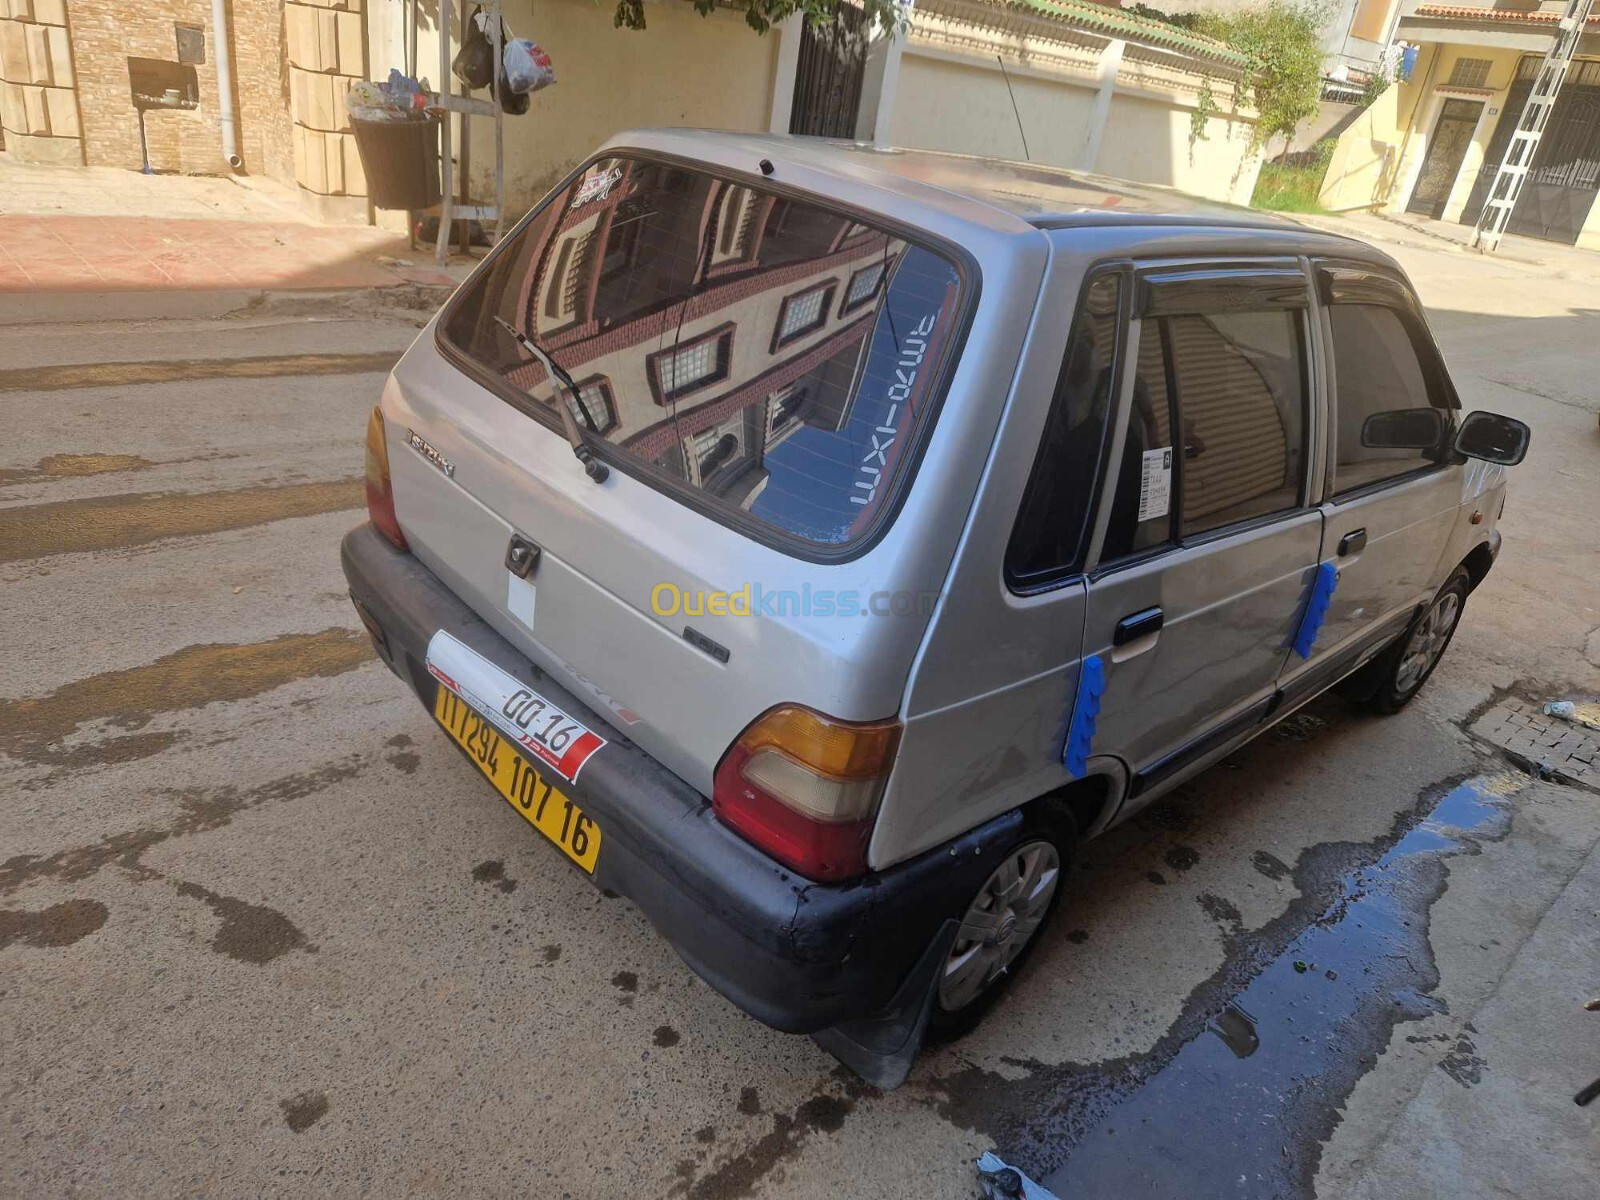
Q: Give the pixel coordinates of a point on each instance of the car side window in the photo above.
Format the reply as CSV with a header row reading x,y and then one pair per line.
x,y
1234,383
1388,422
1241,394
1138,522
1049,538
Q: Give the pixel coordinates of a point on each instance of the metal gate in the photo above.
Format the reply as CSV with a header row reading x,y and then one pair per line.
x,y
1452,134
827,78
1561,187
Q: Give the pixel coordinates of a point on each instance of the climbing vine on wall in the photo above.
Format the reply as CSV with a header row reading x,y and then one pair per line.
x,y
762,15
1282,44
1205,107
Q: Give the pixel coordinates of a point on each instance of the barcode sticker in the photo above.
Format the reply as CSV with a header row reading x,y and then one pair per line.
x,y
1155,483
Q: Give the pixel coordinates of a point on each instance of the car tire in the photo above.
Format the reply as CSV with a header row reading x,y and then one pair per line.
x,y
1388,684
1013,930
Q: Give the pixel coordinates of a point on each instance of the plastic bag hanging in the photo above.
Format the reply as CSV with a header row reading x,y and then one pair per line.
x,y
474,62
527,67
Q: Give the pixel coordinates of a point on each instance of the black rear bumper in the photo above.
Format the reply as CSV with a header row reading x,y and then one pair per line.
x,y
801,957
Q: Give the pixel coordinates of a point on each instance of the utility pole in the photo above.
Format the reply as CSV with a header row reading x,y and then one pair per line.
x,y
1524,143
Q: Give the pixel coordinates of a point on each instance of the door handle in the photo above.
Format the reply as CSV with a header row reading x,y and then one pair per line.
x,y
1353,542
1137,625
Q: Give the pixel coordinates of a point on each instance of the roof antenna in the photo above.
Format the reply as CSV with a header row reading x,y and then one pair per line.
x,y
1013,96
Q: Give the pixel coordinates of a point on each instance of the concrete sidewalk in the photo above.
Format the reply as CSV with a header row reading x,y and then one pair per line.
x,y
72,231
1420,233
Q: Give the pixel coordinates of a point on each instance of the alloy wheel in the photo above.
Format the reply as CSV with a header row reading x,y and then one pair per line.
x,y
1003,918
1427,641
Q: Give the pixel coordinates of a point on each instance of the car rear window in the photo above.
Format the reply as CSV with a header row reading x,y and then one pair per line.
x,y
772,358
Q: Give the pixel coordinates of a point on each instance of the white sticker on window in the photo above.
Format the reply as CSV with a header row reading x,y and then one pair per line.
x,y
1155,483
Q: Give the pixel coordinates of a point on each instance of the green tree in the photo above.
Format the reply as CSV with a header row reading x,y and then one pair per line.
x,y
1283,42
762,15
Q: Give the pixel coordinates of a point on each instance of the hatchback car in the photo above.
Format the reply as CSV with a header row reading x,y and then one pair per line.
x,y
815,542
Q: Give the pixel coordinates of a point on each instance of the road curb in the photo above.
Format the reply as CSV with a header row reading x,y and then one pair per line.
x,y
73,308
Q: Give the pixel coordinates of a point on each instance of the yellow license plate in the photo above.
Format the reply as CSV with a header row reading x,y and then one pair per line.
x,y
515,778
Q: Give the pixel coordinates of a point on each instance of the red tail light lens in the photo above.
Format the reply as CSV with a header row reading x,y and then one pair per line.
x,y
380,495
805,788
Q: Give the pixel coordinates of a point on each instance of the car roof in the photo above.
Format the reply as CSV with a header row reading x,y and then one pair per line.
x,y
1044,196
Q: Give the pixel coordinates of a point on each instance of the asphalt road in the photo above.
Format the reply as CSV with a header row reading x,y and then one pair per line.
x,y
262,931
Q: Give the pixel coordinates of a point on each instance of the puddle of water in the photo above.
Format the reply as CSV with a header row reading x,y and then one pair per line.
x,y
1242,1109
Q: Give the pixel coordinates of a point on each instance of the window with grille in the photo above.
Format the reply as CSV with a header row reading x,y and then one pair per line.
x,y
594,408
1470,72
801,314
863,287
692,366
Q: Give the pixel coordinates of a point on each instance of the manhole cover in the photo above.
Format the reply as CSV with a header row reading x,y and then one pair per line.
x,y
1565,746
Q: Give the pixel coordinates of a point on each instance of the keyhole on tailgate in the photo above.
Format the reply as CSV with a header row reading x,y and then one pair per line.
x,y
522,556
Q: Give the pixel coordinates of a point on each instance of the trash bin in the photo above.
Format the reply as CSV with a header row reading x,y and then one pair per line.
x,y
401,160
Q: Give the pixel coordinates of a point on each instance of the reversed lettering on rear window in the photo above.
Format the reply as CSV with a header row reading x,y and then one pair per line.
x,y
775,359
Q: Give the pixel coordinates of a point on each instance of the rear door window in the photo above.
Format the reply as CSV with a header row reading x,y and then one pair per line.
x,y
762,356
1241,393
1217,424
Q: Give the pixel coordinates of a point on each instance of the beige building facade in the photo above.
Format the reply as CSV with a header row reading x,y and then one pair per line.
x,y
1430,146
1084,85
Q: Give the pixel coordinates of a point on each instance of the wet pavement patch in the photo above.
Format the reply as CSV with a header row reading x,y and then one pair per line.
x,y
199,811
740,1175
1463,1063
251,933
404,760
1181,858
494,872
1270,865
1223,911
184,679
750,1101
51,928
1239,1096
301,1112
118,522
60,376
666,1035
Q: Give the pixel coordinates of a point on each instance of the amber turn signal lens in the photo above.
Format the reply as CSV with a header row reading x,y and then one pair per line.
x,y
840,749
380,493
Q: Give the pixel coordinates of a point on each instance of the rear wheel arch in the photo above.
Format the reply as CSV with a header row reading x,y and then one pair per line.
x,y
1085,803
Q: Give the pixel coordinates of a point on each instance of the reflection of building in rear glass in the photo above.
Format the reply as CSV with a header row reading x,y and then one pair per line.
x,y
747,346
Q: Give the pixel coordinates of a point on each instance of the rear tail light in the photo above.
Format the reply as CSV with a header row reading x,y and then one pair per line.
x,y
380,495
805,788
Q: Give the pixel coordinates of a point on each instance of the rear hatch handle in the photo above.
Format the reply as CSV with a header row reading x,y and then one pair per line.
x,y
592,466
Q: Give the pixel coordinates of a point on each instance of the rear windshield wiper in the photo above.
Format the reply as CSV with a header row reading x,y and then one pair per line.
x,y
593,467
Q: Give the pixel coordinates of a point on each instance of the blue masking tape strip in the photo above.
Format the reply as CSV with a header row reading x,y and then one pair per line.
x,y
1327,579
1085,711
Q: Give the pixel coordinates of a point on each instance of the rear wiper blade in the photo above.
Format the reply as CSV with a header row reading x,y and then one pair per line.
x,y
593,467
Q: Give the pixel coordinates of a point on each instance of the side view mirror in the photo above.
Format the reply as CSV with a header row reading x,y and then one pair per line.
x,y
1404,429
1493,438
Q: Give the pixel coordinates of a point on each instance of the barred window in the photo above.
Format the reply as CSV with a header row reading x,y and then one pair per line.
x,y
1470,72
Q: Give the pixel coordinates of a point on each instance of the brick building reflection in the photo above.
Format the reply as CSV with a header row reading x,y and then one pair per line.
x,y
782,299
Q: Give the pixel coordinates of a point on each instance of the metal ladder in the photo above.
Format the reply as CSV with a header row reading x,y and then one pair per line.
x,y
1524,143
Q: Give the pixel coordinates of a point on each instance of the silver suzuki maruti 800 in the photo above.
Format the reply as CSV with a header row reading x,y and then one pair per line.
x,y
814,542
